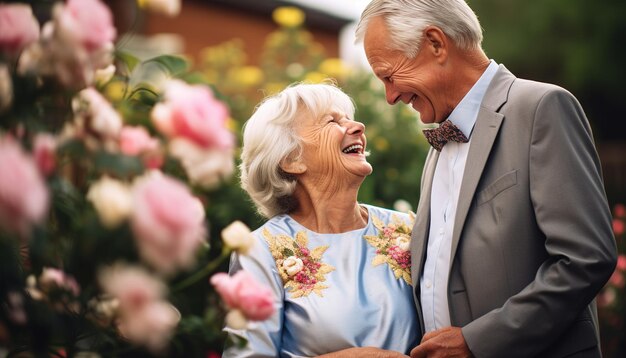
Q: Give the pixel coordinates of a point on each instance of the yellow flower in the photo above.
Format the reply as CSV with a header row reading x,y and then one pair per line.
x,y
114,91
246,76
274,87
334,67
288,16
315,77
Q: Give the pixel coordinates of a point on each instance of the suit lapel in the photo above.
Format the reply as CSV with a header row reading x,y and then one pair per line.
x,y
484,134
419,236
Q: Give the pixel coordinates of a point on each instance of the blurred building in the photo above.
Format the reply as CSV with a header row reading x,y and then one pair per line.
x,y
204,23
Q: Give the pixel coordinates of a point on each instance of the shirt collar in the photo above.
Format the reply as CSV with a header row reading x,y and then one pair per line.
x,y
466,112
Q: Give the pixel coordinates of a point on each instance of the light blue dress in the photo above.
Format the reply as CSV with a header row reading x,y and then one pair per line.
x,y
332,291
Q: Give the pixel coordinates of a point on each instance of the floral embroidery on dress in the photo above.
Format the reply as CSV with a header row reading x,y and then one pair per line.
x,y
393,245
301,269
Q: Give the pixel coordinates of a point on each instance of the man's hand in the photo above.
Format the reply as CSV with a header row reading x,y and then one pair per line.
x,y
364,352
442,343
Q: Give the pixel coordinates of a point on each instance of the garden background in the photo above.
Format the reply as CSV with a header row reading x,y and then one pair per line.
x,y
246,49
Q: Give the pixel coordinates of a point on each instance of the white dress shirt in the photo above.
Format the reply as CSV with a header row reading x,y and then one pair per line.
x,y
443,202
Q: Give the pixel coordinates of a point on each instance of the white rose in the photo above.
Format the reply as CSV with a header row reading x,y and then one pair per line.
x,y
235,319
293,265
104,75
103,118
112,200
238,237
403,241
402,206
204,167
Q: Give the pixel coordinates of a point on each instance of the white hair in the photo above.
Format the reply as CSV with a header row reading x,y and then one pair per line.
x,y
407,19
269,138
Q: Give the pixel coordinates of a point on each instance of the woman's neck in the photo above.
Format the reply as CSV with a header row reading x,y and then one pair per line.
x,y
329,212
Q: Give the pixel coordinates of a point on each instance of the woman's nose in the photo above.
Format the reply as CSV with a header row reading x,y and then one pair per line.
x,y
355,127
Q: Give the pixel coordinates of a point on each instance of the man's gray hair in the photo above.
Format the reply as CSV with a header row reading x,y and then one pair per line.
x,y
269,138
407,19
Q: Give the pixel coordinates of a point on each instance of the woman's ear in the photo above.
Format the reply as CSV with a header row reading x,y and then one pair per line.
x,y
291,166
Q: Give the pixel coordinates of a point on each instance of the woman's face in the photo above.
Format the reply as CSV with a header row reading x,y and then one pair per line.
x,y
333,148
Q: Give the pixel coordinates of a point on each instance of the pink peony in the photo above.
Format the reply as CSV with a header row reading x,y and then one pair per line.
x,y
617,279
168,222
618,226
621,263
88,21
44,148
193,112
143,316
23,193
136,140
152,325
132,286
242,292
18,27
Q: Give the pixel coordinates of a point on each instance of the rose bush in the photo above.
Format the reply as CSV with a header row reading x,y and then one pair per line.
x,y
105,246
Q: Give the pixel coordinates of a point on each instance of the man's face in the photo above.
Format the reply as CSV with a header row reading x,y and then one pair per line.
x,y
419,81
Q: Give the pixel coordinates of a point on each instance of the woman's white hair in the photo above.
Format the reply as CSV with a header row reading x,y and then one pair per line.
x,y
407,19
269,138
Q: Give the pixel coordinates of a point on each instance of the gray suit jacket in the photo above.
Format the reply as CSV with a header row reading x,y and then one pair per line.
x,y
532,242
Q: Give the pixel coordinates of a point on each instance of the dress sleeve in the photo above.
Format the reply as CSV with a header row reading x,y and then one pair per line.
x,y
264,337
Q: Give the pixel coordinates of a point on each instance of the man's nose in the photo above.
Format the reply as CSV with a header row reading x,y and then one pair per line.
x,y
391,94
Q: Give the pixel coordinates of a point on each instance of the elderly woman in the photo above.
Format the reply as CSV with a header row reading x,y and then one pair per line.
x,y
340,270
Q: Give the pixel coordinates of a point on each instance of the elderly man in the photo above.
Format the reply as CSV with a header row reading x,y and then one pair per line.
x,y
513,238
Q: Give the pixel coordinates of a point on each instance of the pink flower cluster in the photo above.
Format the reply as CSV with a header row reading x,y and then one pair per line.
x,y
73,45
402,257
168,222
306,277
24,197
241,291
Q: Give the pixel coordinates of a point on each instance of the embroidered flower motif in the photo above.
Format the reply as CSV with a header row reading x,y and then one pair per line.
x,y
392,246
300,269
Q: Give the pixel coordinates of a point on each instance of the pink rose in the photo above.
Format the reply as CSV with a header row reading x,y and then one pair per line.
x,y
18,27
44,148
242,292
194,113
617,279
618,226
621,262
89,21
143,316
23,193
152,326
52,278
168,222
136,140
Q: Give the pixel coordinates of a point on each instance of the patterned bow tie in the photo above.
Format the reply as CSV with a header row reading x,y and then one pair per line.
x,y
447,131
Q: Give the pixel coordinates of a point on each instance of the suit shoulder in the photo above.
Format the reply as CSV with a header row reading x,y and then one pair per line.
x,y
534,91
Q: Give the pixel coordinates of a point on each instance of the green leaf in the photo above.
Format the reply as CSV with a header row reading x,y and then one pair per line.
x,y
119,165
175,65
129,61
